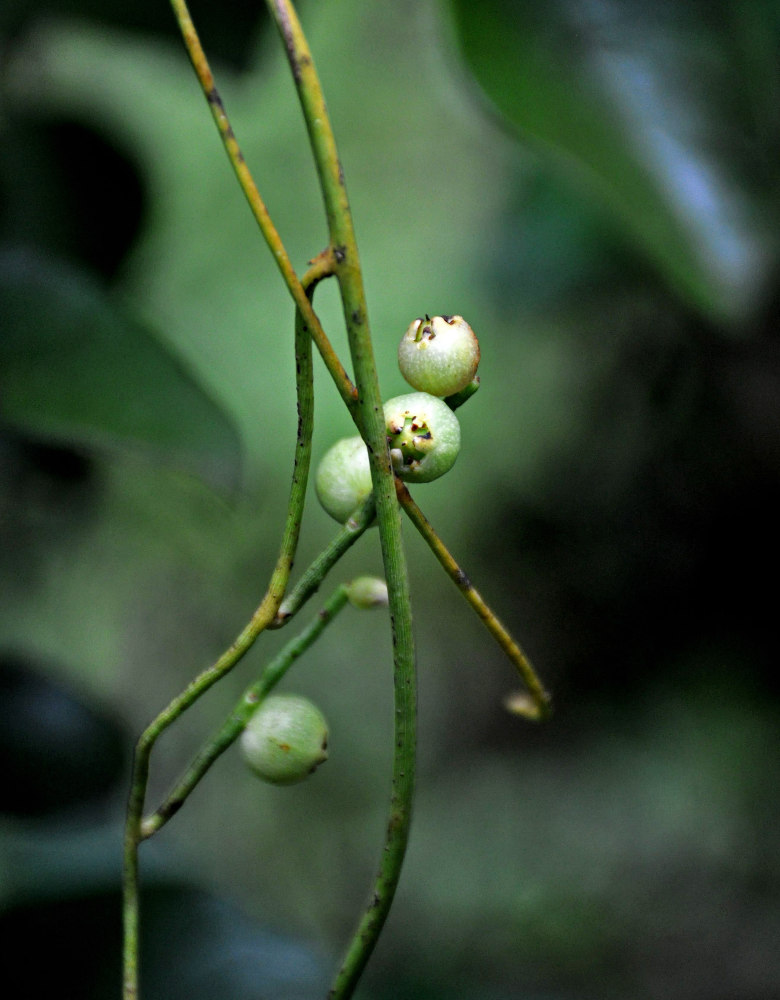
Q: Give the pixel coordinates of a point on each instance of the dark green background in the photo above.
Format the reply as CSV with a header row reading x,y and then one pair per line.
x,y
595,188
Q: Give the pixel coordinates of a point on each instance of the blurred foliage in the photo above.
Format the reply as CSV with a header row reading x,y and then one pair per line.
x,y
594,186
74,370
639,100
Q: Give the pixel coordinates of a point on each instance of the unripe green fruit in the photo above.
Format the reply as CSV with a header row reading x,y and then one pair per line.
x,y
343,478
367,592
423,434
286,739
439,355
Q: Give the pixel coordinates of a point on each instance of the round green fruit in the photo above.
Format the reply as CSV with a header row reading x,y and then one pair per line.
x,y
367,592
423,435
343,478
285,740
439,355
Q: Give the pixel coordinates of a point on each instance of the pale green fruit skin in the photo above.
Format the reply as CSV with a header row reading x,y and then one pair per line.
x,y
440,355
366,592
285,740
423,414
343,478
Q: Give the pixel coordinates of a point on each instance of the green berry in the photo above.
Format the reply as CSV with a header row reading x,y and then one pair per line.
x,y
423,434
343,478
439,355
367,592
286,739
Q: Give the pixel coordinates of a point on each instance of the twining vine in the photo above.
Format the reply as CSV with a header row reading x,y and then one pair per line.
x,y
413,438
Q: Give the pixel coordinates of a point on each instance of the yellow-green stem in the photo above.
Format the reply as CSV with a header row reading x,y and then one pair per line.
x,y
257,205
261,619
540,707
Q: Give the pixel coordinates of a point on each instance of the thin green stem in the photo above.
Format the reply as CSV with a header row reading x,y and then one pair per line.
x,y
261,619
130,873
257,205
232,727
309,583
459,398
372,425
540,706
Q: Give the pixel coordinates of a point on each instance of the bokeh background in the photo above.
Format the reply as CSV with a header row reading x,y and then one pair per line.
x,y
594,185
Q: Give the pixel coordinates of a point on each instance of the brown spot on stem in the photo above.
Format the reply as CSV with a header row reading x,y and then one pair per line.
x,y
174,807
462,580
289,40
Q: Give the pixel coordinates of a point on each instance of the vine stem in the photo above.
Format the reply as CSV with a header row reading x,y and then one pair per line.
x,y
372,426
265,614
257,205
313,576
246,706
539,707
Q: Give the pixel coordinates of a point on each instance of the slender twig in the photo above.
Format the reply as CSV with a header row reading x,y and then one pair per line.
x,y
311,579
540,706
234,724
459,398
260,620
258,207
371,423
130,879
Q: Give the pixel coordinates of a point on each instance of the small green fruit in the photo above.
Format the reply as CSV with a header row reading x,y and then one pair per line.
x,y
343,478
286,739
439,355
367,592
424,436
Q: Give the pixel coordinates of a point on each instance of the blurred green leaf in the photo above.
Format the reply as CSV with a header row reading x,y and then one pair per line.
x,y
632,101
74,368
61,887
57,750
